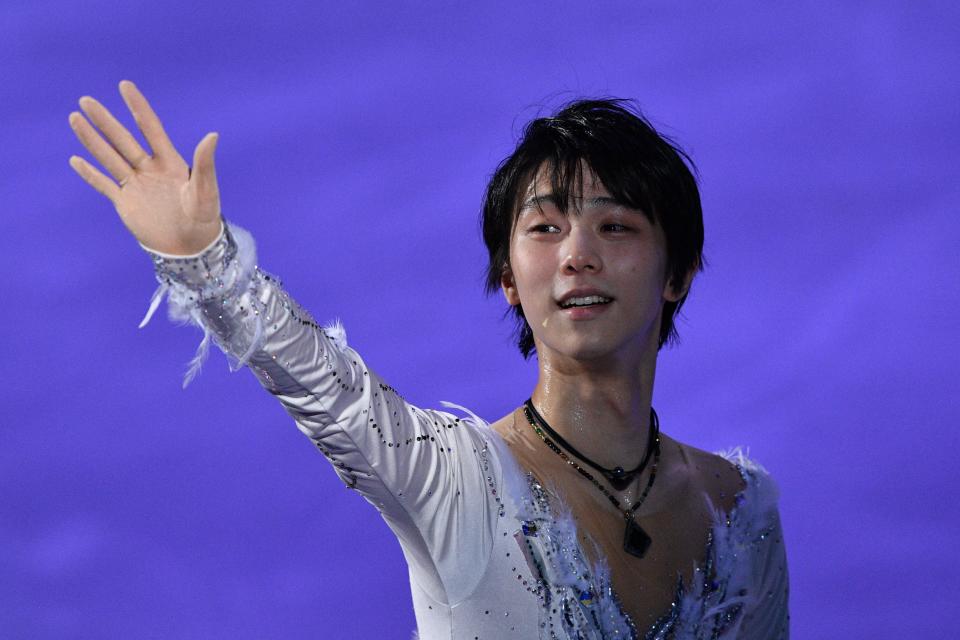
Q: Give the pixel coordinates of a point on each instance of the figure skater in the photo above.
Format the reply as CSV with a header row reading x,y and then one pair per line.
x,y
573,516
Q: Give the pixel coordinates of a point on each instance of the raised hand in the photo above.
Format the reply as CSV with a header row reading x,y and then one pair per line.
x,y
165,206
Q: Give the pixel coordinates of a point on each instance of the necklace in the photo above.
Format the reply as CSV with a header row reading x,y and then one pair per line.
x,y
636,540
619,478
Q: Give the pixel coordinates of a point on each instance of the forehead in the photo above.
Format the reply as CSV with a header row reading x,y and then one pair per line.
x,y
576,189
585,184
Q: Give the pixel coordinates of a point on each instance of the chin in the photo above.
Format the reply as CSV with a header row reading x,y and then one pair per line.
x,y
587,346
586,350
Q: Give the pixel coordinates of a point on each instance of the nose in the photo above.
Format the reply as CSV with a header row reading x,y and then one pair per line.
x,y
581,254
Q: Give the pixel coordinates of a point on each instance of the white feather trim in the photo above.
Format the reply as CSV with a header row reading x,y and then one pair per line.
x,y
254,345
730,548
336,333
155,301
183,306
569,565
193,368
246,254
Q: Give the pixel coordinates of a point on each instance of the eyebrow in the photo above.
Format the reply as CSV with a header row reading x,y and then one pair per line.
x,y
549,198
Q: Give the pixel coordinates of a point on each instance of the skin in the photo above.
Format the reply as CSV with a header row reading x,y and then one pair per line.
x,y
596,366
595,384
163,204
596,372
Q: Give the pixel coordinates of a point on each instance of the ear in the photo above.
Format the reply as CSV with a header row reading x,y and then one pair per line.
x,y
509,286
673,294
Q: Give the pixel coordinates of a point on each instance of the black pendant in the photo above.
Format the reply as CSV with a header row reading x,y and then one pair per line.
x,y
619,478
635,539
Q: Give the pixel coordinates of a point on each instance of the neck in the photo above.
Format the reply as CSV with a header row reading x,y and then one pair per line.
x,y
602,408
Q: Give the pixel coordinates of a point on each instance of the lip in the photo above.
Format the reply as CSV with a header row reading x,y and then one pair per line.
x,y
585,313
582,293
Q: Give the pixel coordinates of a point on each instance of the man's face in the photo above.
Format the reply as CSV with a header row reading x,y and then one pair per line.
x,y
591,280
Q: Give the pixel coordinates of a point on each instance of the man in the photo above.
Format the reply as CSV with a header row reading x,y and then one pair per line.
x,y
573,516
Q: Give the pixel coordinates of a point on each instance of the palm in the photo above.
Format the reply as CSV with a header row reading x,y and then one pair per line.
x,y
163,204
156,202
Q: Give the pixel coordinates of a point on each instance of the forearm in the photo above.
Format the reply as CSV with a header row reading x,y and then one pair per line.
x,y
378,443
416,467
253,320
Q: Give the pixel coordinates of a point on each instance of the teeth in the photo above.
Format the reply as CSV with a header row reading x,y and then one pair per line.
x,y
584,301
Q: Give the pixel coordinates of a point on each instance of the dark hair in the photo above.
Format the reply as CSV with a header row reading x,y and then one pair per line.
x,y
638,166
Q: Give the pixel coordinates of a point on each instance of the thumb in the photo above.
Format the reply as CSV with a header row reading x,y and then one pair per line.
x,y
204,174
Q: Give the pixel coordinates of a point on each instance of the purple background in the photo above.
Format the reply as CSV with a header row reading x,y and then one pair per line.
x,y
355,144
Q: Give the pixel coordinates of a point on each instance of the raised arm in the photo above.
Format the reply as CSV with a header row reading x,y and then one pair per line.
x,y
418,468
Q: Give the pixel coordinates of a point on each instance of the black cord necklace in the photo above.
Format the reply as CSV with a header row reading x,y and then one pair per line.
x,y
619,478
636,540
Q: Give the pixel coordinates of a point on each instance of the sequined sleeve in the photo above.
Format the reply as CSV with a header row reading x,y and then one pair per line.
x,y
752,560
766,615
417,467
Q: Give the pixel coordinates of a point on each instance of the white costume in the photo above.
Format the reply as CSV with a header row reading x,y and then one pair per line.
x,y
491,553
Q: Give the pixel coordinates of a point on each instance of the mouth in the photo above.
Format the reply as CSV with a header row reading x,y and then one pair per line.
x,y
573,302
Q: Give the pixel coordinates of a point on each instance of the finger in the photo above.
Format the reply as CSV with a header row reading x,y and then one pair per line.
x,y
117,135
204,172
106,155
148,121
94,178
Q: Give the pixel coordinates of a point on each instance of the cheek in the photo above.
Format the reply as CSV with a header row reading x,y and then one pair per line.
x,y
651,267
531,269
647,275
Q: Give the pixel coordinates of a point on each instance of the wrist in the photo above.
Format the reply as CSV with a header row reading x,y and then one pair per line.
x,y
179,256
215,271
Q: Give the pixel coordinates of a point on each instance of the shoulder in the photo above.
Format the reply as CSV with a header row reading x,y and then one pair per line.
x,y
759,486
704,473
730,478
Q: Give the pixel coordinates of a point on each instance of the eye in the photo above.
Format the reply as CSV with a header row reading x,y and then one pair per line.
x,y
616,227
544,228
